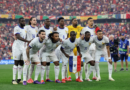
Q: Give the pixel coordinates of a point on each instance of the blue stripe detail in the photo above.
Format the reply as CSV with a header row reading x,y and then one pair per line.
x,y
17,33
46,28
30,46
98,39
62,47
71,63
20,27
90,28
60,28
31,26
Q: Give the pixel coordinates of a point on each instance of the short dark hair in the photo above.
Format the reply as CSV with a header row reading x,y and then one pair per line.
x,y
72,32
20,19
89,18
99,31
87,32
30,20
72,19
41,31
60,19
47,19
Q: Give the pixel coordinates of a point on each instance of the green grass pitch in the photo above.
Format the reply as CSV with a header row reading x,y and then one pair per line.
x,y
122,81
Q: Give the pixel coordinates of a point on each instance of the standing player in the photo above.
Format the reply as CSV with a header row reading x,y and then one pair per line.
x,y
63,32
31,33
32,54
124,51
84,48
67,48
49,52
77,29
102,48
17,50
91,29
48,30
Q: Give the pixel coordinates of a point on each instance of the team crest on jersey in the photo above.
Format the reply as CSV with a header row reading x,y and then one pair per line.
x,y
89,43
103,43
50,31
57,45
66,31
15,56
36,31
25,31
75,45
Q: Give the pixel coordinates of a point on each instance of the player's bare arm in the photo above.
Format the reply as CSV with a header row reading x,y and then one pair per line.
x,y
109,57
78,49
27,51
62,50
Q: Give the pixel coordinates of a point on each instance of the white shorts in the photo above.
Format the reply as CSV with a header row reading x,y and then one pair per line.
x,y
65,59
17,53
98,55
87,57
24,54
34,58
49,57
92,53
58,53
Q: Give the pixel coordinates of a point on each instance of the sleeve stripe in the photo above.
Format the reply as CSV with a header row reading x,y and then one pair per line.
x,y
62,47
17,33
30,46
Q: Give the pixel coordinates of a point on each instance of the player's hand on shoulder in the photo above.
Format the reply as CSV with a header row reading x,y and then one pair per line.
x,y
82,36
55,28
60,40
27,62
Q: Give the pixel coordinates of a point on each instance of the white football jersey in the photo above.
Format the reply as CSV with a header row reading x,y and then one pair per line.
x,y
36,45
63,32
84,45
18,43
92,32
50,46
31,32
101,44
48,31
68,46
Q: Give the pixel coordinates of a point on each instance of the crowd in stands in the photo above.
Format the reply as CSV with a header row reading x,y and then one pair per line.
x,y
64,7
7,36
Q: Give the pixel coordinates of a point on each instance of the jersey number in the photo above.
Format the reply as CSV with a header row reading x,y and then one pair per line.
x,y
33,35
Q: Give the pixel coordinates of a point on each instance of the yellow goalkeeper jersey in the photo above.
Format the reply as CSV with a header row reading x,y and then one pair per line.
x,y
78,29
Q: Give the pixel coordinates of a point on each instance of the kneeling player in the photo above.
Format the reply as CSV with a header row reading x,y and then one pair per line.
x,y
49,52
84,47
32,55
102,48
67,50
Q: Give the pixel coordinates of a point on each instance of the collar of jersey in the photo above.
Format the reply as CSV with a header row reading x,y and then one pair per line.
x,y
31,26
90,28
46,28
71,41
20,27
98,39
39,41
85,40
60,28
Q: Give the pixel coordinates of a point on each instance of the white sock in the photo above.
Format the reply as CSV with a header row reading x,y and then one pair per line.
x,y
76,74
66,71
20,70
37,71
31,69
43,68
110,68
47,72
89,71
25,68
14,71
63,71
94,72
85,68
81,71
97,69
56,72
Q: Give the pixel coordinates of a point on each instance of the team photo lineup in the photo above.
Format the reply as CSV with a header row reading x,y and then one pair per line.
x,y
38,47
